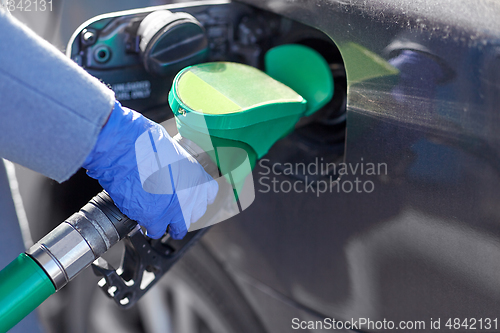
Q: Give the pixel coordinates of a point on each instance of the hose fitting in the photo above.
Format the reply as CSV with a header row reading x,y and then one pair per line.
x,y
81,239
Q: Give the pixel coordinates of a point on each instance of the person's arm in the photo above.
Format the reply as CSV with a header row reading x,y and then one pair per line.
x,y
52,121
51,110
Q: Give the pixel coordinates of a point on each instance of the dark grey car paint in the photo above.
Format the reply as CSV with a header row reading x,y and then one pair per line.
x,y
425,243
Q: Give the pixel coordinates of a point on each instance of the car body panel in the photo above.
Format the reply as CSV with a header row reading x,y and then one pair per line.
x,y
424,244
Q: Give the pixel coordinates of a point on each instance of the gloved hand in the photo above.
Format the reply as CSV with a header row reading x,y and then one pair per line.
x,y
148,175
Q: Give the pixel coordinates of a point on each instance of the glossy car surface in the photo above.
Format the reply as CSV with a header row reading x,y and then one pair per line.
x,y
424,244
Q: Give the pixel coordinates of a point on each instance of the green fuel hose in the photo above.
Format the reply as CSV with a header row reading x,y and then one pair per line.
x,y
23,286
58,257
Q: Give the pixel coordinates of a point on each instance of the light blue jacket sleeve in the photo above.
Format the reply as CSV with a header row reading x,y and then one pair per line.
x,y
51,110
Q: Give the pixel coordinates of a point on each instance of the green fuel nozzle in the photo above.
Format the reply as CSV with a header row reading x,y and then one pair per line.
x,y
225,104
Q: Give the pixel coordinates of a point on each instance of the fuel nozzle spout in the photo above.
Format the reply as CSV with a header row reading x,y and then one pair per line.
x,y
223,104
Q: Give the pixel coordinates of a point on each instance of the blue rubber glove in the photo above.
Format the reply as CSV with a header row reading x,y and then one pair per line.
x,y
148,175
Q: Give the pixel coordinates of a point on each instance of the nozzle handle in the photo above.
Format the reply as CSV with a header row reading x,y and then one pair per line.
x,y
88,234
